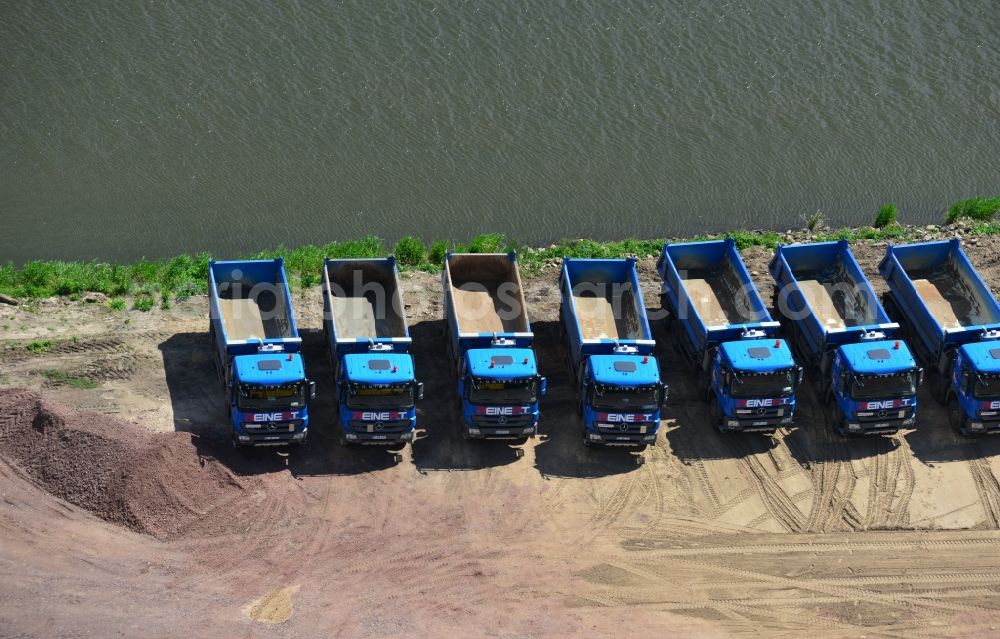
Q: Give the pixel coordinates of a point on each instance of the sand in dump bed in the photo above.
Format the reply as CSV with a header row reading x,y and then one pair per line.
x,y
951,304
596,317
714,297
831,314
242,319
356,318
478,312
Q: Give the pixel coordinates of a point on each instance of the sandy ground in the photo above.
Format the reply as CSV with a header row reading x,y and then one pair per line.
x,y
710,536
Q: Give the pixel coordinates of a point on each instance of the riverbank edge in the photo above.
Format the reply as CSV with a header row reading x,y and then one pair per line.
x,y
157,282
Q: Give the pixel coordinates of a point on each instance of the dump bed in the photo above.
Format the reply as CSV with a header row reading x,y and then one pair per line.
x,y
936,286
827,294
250,306
484,299
602,307
710,291
363,305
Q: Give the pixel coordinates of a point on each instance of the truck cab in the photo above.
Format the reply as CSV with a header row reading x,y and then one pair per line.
x,y
500,388
974,404
621,400
754,384
377,396
269,398
875,387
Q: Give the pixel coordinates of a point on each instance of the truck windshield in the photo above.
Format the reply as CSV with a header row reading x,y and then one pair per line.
x,y
511,392
362,396
616,398
884,386
776,384
270,398
987,388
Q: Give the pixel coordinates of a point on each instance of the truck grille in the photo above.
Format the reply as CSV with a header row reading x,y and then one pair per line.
x,y
761,413
261,428
393,426
626,428
511,421
885,415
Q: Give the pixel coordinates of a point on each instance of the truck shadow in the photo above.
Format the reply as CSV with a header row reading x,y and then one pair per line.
x,y
560,451
199,407
440,445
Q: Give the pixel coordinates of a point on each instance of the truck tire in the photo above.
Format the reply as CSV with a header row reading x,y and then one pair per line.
x,y
841,427
956,419
717,418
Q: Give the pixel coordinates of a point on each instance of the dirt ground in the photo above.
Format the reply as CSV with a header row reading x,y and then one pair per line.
x,y
125,512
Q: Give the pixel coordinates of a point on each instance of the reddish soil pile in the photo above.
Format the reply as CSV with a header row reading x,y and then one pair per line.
x,y
152,483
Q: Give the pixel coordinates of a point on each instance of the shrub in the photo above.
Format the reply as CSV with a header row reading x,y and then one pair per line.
x,y
39,346
117,304
886,216
814,221
410,251
438,251
142,302
488,243
977,208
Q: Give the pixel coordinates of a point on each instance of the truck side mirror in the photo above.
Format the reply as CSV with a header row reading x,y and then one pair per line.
x,y
312,390
420,391
663,395
543,386
801,376
920,376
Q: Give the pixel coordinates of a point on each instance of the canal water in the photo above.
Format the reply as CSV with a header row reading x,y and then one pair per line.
x,y
152,128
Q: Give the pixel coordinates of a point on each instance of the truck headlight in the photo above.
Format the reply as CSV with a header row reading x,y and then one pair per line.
x,y
649,438
244,438
299,435
977,426
350,436
732,423
594,437
406,436
786,420
528,431
854,427
473,431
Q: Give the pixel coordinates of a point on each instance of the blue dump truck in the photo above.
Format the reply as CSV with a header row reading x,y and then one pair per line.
x,y
368,340
953,322
257,352
723,329
839,327
490,340
610,351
